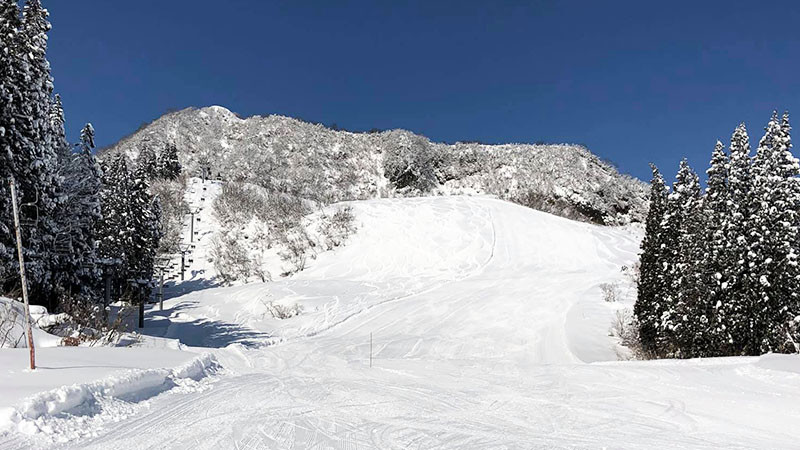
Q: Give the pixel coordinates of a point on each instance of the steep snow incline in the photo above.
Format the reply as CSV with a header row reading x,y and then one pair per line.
x,y
487,330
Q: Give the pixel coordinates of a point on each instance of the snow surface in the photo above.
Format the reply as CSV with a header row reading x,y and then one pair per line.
x,y
487,328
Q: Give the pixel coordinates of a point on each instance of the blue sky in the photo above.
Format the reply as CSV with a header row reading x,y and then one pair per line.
x,y
634,81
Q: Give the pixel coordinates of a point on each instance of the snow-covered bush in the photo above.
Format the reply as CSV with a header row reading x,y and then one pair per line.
x,y
610,292
633,273
336,228
255,220
82,322
411,163
231,259
237,203
626,328
170,194
280,311
295,246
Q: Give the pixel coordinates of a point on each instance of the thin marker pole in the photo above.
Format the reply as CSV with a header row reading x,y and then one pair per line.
x,y
370,350
28,329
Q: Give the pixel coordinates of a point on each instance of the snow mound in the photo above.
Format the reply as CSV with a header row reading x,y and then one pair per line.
x,y
110,399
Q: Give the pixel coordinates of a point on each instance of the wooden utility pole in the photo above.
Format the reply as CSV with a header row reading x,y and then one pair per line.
x,y
161,290
28,329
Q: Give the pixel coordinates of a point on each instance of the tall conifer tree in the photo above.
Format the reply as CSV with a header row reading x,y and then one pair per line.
x,y
652,287
682,325
10,135
715,266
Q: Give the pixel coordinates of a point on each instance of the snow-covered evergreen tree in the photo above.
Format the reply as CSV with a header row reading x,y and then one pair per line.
x,y
79,213
130,229
682,329
720,272
10,134
776,235
147,163
651,287
169,167
30,143
741,288
715,265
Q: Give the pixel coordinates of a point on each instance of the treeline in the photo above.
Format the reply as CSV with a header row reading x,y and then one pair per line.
x,y
719,269
82,221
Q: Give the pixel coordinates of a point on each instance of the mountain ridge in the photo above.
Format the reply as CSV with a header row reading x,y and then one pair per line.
x,y
314,162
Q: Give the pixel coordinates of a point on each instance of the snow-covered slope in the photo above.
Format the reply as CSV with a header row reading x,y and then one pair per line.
x,y
486,328
314,162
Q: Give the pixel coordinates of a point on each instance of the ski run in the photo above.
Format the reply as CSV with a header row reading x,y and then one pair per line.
x,y
444,322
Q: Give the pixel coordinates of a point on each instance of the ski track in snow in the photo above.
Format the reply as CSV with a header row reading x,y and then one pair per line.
x,y
489,332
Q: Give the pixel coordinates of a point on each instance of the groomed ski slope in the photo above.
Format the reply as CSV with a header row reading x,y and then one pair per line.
x,y
488,331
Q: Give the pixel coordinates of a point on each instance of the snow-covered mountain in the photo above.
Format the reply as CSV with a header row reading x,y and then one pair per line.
x,y
317,163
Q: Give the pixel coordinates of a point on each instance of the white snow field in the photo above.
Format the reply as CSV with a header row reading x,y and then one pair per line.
x,y
487,329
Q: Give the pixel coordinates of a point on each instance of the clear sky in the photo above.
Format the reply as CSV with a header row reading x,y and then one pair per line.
x,y
634,81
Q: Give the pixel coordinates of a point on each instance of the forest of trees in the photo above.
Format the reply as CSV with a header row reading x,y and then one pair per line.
x,y
81,221
719,269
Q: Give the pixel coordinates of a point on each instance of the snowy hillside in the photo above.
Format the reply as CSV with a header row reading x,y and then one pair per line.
x,y
313,162
445,322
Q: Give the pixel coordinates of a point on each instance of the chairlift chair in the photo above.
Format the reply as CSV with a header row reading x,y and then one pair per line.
x,y
29,212
62,243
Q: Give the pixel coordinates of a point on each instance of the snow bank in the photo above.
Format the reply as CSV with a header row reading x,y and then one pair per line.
x,y
12,325
34,414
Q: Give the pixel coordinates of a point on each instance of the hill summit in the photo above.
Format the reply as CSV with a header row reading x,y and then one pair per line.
x,y
316,163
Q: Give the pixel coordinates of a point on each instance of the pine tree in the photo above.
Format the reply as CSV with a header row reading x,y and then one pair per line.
x,y
651,287
57,124
37,164
715,267
734,313
776,235
683,322
148,163
130,228
29,142
10,136
168,164
79,214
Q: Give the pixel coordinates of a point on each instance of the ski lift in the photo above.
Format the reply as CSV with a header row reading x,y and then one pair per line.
x,y
62,243
29,212
162,263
